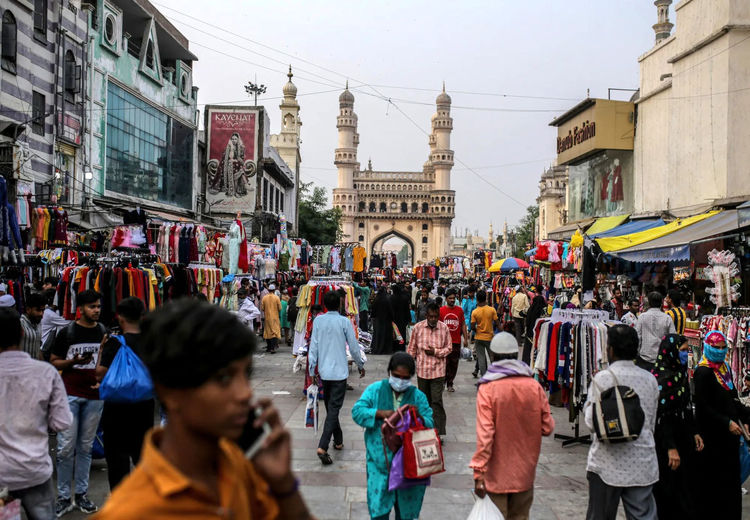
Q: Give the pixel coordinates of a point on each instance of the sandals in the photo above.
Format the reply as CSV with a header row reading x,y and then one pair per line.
x,y
325,458
338,447
451,389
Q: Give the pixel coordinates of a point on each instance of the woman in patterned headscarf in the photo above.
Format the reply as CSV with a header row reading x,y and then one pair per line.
x,y
721,418
676,435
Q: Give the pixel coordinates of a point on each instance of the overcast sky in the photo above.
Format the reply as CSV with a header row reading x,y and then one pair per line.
x,y
552,49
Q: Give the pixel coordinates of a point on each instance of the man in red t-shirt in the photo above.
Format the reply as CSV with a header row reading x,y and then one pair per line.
x,y
453,316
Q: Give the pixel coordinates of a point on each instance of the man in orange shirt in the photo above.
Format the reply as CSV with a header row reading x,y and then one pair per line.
x,y
200,359
512,415
484,320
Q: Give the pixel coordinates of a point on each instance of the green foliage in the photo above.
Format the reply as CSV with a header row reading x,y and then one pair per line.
x,y
523,234
318,224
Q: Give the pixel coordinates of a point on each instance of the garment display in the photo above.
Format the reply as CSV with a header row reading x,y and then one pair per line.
x,y
734,325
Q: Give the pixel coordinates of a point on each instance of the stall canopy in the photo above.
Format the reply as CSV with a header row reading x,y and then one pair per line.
x,y
675,247
635,239
744,214
635,226
605,224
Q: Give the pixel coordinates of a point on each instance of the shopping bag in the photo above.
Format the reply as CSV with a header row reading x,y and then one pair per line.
x,y
485,509
311,410
466,353
397,333
744,460
127,379
396,478
11,510
423,453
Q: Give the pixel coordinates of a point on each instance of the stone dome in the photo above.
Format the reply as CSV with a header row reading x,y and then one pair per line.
x,y
290,89
346,97
443,98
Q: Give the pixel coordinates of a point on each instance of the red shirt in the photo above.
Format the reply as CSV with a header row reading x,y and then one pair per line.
x,y
453,317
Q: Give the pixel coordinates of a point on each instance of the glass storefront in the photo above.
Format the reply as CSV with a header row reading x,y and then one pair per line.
x,y
601,185
149,154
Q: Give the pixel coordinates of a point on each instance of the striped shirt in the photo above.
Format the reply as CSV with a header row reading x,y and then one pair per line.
x,y
31,340
424,337
679,316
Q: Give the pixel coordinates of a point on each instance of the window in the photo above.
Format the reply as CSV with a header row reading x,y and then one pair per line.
x,y
71,77
38,113
361,225
9,38
150,54
265,194
40,18
361,206
149,154
383,207
278,200
404,207
110,30
281,202
425,227
424,240
361,238
414,207
372,207
425,207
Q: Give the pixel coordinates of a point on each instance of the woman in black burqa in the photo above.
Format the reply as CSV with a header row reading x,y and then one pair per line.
x,y
400,303
382,316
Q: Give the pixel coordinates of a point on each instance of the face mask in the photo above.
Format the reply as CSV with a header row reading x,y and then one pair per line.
x,y
399,385
715,355
684,357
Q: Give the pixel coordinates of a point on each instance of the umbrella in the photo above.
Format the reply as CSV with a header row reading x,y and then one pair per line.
x,y
508,264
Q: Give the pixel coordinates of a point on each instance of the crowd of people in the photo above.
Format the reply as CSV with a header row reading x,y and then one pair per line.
x,y
199,358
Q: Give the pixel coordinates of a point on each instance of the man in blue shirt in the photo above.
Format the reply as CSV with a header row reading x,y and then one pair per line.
x,y
331,333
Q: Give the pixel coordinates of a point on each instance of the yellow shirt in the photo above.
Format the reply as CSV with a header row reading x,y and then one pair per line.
x,y
359,255
484,317
156,490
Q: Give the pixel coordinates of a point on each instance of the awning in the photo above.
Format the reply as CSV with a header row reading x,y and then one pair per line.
x,y
605,224
634,239
566,231
744,214
675,246
631,227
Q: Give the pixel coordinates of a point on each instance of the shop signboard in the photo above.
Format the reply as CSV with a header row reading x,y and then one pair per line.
x,y
233,148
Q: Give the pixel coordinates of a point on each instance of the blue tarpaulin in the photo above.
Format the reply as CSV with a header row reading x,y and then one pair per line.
x,y
631,227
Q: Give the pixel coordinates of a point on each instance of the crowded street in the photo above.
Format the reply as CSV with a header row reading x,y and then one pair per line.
x,y
502,272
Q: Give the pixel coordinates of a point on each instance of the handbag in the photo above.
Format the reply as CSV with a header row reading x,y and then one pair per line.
x,y
618,416
396,423
127,379
423,452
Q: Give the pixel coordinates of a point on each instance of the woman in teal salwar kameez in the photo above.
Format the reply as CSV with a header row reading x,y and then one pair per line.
x,y
378,402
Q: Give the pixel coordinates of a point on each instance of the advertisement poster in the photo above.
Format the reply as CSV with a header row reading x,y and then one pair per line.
x,y
232,134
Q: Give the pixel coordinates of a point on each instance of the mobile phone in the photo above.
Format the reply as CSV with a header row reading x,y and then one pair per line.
x,y
252,438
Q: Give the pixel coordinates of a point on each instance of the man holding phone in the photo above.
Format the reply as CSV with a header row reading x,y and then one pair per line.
x,y
75,353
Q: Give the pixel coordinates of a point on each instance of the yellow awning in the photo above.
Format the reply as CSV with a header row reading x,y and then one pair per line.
x,y
634,239
605,224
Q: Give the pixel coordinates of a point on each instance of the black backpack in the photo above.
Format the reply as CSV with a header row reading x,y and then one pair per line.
x,y
618,416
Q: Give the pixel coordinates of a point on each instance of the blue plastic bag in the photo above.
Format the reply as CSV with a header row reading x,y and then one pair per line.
x,y
127,379
744,460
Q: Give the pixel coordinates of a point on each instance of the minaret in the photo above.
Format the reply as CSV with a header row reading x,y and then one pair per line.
x,y
287,141
441,162
662,27
490,237
506,248
344,196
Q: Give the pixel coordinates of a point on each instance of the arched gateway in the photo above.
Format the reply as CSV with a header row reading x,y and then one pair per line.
x,y
380,240
416,206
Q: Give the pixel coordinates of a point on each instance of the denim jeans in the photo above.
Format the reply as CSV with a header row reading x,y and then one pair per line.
x,y
74,445
37,501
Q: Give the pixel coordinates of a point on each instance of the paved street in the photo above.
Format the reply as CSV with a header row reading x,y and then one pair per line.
x,y
338,492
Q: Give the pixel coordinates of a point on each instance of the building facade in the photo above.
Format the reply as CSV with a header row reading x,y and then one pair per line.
x,y
417,207
552,200
692,133
142,138
41,80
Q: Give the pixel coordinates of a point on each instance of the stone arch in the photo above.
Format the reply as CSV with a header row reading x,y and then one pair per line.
x,y
394,233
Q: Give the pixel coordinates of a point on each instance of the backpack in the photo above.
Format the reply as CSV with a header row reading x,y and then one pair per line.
x,y
127,380
618,416
69,330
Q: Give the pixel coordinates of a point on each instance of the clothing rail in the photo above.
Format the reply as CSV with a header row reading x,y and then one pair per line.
x,y
577,315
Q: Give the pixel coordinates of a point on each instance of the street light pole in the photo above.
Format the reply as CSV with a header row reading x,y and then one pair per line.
x,y
255,89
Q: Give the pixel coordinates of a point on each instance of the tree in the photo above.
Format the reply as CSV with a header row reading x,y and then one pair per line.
x,y
523,234
318,224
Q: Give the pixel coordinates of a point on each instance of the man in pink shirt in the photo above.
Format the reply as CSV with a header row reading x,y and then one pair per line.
x,y
512,415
